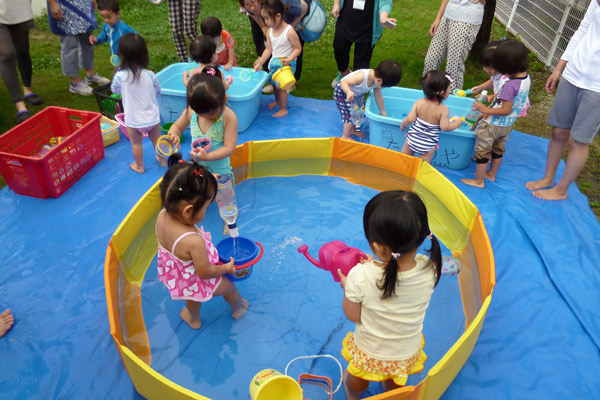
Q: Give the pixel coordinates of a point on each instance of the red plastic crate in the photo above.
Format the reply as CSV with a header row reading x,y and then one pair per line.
x,y
53,173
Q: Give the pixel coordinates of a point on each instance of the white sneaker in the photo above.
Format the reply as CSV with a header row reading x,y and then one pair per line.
x,y
81,88
97,79
267,89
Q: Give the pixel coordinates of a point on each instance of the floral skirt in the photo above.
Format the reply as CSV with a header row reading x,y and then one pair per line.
x,y
371,369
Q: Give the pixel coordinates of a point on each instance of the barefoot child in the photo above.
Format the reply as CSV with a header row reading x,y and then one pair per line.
x,y
350,91
139,88
204,52
428,116
188,262
209,116
510,58
283,45
387,297
212,27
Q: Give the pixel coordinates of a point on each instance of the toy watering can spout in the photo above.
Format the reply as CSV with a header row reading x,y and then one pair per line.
x,y
304,250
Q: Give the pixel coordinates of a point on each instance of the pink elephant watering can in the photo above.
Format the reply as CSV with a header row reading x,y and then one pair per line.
x,y
335,255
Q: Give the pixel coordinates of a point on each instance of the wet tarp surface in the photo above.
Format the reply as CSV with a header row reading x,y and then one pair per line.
x,y
540,338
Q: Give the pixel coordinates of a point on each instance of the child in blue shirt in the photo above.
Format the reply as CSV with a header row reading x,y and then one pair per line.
x,y
511,59
113,28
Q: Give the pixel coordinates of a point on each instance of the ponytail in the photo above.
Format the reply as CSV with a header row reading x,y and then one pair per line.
x,y
435,258
390,275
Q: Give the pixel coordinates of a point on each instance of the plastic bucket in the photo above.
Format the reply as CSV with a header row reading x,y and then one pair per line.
x,y
284,78
165,130
245,254
270,384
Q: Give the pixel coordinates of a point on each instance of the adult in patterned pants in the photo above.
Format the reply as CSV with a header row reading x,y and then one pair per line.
x,y
453,32
183,17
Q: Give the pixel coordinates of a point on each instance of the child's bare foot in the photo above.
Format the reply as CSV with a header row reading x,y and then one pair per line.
x,y
358,133
161,160
237,314
551,194
6,322
541,184
473,182
136,167
280,113
490,177
272,105
187,317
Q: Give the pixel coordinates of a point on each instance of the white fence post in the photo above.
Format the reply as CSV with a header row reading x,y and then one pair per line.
x,y
559,31
512,15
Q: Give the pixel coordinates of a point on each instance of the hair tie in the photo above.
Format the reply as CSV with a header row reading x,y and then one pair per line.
x,y
395,255
449,78
198,172
181,162
181,189
211,71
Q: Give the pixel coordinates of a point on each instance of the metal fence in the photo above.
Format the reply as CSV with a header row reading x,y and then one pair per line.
x,y
545,26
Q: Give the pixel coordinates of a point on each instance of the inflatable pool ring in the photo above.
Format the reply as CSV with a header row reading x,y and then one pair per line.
x,y
165,147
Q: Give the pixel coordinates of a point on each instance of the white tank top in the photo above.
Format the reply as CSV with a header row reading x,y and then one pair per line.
x,y
364,86
282,47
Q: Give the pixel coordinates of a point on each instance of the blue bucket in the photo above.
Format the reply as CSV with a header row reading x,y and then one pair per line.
x,y
245,253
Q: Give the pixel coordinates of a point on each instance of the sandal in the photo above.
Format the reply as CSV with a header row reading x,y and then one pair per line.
x,y
34,99
22,116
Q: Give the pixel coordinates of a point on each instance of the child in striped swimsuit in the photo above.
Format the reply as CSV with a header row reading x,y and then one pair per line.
x,y
428,116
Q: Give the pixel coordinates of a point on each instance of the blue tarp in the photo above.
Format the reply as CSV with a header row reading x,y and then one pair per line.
x,y
540,339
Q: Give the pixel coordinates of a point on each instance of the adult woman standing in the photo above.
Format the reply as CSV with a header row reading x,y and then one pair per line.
x,y
16,19
453,33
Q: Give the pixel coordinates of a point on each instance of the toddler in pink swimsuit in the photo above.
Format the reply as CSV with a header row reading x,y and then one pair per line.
x,y
188,262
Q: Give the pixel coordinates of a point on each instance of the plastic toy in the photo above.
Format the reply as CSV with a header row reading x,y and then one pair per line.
x,y
461,93
245,254
284,78
164,146
335,255
115,60
450,266
357,114
202,142
245,75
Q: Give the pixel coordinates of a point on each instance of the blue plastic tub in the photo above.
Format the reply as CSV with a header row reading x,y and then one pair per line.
x,y
456,147
244,93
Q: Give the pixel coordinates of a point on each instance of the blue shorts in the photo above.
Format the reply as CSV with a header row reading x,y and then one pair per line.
x,y
275,65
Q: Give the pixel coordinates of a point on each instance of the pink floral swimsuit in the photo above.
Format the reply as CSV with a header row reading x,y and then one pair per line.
x,y
180,276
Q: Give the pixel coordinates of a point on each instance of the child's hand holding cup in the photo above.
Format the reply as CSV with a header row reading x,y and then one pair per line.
x,y
350,96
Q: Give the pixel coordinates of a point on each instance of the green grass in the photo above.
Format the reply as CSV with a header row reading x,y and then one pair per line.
x,y
407,44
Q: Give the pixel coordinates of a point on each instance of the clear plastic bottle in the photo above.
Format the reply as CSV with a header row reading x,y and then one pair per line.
x,y
227,205
471,117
